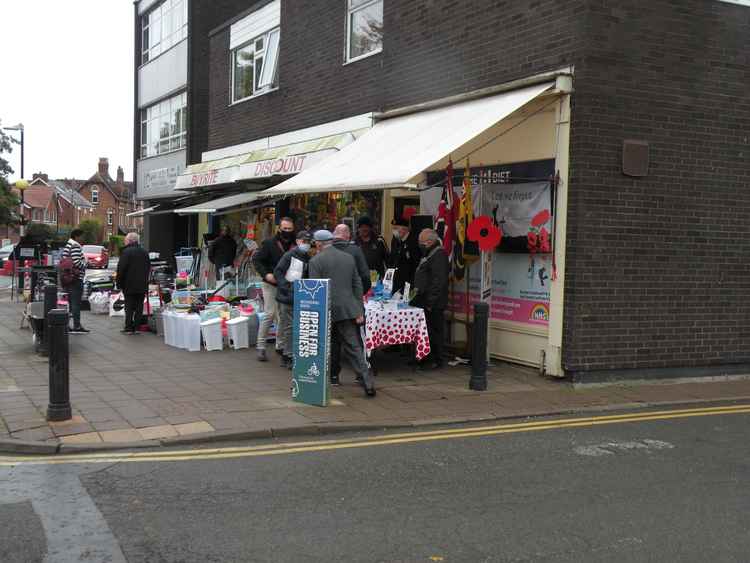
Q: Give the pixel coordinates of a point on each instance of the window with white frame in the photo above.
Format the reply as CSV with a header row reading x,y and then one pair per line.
x,y
164,126
95,195
255,66
364,28
110,215
162,27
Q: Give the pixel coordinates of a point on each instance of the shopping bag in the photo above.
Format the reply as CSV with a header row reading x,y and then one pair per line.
x,y
99,302
117,305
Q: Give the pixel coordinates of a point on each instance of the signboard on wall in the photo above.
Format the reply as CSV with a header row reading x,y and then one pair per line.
x,y
311,341
161,179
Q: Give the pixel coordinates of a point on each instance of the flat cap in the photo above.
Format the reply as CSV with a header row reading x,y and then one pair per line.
x,y
322,235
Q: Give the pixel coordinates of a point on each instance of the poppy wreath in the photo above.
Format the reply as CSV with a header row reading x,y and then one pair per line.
x,y
538,237
482,231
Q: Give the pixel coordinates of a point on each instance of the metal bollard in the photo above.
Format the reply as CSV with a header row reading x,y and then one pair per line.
x,y
59,376
50,302
478,381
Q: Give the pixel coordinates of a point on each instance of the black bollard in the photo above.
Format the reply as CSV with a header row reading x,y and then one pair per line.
x,y
59,377
478,381
50,302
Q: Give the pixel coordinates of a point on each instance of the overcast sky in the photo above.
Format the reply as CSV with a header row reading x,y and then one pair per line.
x,y
66,71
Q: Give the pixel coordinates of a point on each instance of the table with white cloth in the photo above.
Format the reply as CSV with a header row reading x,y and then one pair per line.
x,y
182,330
388,326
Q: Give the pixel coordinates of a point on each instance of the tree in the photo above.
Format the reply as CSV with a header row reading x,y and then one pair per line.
x,y
8,201
92,230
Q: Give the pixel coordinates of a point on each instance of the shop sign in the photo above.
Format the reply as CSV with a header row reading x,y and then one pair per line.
x,y
205,178
311,341
161,179
282,166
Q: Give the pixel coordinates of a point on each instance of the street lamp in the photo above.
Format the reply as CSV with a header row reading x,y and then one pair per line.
x,y
21,186
18,127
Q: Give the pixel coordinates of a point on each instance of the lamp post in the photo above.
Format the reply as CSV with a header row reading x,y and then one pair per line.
x,y
18,127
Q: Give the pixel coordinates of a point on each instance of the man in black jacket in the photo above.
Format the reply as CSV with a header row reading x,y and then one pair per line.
x,y
431,281
265,260
222,251
405,254
342,240
132,278
373,246
291,267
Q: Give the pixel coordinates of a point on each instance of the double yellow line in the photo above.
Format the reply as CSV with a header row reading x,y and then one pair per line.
x,y
381,440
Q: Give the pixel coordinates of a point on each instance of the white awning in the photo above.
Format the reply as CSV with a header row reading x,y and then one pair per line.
x,y
220,204
396,151
142,212
262,163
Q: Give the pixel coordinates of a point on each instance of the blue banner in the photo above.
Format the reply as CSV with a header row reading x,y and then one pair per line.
x,y
312,338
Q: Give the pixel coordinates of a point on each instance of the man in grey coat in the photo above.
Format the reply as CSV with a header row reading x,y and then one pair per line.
x,y
347,310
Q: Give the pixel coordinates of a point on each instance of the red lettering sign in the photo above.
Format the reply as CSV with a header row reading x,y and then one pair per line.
x,y
205,179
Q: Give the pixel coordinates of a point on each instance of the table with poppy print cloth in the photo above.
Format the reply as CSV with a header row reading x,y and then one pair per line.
x,y
388,327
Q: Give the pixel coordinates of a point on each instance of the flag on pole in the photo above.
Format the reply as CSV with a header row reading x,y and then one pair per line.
x,y
448,205
463,219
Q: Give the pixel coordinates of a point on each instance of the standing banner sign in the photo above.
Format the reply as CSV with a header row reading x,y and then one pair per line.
x,y
311,339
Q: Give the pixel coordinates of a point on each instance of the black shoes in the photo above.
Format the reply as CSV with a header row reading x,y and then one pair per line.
x,y
78,330
335,380
262,356
287,362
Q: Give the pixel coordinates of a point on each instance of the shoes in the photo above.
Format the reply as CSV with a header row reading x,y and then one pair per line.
x,y
370,391
262,356
287,362
78,330
127,331
280,352
335,380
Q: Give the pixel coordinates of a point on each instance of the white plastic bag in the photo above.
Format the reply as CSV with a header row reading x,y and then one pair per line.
x,y
99,302
117,305
295,271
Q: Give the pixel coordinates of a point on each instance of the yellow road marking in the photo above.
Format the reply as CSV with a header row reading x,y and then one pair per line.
x,y
381,440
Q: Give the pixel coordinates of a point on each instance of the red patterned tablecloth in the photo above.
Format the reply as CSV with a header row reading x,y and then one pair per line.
x,y
385,327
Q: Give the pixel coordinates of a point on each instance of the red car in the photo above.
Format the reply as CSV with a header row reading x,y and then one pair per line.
x,y
96,256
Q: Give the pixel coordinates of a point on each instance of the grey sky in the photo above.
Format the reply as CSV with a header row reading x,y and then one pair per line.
x,y
67,75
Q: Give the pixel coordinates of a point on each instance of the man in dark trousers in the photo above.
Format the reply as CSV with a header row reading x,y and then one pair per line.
x,y
132,278
405,254
431,281
74,288
222,251
265,260
373,246
347,309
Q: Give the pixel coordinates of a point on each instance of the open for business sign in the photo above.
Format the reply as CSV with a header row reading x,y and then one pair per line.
x,y
312,337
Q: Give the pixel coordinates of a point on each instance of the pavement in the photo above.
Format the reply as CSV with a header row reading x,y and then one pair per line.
x,y
131,391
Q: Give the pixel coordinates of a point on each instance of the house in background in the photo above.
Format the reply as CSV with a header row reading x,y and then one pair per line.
x,y
112,199
71,207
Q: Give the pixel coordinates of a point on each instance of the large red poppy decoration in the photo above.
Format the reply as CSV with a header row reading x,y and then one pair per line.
x,y
482,231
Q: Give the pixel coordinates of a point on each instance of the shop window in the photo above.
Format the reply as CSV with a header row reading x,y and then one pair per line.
x,y
364,28
255,66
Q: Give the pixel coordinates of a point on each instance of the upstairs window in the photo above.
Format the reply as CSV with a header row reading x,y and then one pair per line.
x,y
164,126
255,66
364,28
162,27
110,215
94,195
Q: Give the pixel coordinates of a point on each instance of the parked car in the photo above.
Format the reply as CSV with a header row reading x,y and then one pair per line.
x,y
5,253
96,256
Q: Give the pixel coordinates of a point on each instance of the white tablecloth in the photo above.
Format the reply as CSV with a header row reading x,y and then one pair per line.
x,y
182,330
386,327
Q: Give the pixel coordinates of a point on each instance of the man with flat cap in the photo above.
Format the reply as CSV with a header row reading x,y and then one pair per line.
x,y
405,254
347,309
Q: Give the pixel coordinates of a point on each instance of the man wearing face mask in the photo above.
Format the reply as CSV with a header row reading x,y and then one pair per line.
x,y
291,267
405,254
431,282
265,261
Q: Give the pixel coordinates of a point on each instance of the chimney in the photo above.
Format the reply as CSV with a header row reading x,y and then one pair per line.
x,y
103,166
120,176
43,177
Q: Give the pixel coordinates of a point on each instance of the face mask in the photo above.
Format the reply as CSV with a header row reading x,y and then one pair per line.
x,y
287,235
397,235
304,247
425,248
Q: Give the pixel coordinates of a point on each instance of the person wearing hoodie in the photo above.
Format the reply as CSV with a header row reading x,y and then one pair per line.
x,y
291,267
265,261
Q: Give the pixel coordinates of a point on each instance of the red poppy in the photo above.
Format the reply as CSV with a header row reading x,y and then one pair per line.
x,y
532,242
540,218
484,233
544,242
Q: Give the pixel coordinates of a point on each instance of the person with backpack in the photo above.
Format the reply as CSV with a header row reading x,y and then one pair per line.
x,y
72,270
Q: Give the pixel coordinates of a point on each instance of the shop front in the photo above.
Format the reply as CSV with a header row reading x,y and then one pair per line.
x,y
515,141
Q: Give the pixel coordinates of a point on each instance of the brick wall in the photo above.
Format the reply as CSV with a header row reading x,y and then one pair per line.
x,y
432,49
657,271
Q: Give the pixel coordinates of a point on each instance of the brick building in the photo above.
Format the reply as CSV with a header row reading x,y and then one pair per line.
x,y
112,199
641,109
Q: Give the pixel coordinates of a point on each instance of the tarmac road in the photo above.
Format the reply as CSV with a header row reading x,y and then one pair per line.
x,y
665,487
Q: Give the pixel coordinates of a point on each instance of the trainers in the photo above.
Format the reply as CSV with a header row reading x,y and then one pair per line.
x,y
335,380
262,356
79,330
127,331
